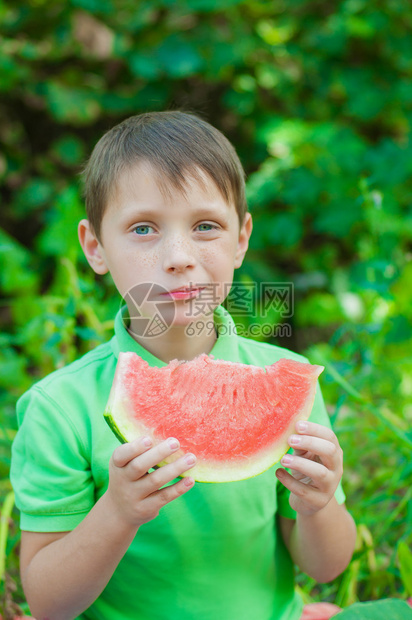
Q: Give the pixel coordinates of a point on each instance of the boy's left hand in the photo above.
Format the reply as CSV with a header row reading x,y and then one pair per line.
x,y
316,465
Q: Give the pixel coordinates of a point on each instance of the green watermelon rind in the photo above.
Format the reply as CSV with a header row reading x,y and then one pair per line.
x,y
112,424
115,429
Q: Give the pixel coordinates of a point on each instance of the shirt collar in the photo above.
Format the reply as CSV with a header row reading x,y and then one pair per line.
x,y
225,347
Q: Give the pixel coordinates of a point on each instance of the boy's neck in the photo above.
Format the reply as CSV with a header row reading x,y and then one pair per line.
x,y
175,343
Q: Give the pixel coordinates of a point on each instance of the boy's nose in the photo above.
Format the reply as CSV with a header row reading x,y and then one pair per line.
x,y
178,257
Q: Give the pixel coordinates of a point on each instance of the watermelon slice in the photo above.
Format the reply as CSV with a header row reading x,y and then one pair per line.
x,y
235,418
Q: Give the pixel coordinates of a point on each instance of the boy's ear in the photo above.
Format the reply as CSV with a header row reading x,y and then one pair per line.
x,y
92,248
243,242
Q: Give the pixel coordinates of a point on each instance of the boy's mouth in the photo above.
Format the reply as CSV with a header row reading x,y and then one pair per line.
x,y
185,292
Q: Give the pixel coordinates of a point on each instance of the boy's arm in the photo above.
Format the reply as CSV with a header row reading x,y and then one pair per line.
x,y
63,573
322,538
321,544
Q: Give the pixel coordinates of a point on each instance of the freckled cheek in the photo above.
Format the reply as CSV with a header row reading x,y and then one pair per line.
x,y
218,256
141,260
147,261
207,257
134,268
218,265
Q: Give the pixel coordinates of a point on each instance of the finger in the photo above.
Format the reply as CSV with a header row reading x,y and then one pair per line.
x,y
160,498
303,491
153,481
123,454
139,466
316,430
328,451
320,476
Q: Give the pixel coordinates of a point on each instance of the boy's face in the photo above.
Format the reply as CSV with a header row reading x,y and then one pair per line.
x,y
191,242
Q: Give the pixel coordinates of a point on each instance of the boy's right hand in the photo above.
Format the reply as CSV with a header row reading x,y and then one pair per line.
x,y
135,494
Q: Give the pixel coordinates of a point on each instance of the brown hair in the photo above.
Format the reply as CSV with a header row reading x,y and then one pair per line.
x,y
174,143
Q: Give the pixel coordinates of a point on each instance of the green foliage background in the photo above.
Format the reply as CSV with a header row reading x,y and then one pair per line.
x,y
317,98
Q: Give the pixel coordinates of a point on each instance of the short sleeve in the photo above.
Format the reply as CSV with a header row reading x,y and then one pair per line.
x,y
319,415
50,471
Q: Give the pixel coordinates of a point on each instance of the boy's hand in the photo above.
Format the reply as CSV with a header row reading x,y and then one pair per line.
x,y
316,465
134,493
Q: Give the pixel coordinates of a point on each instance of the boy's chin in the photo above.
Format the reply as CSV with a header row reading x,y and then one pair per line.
x,y
185,318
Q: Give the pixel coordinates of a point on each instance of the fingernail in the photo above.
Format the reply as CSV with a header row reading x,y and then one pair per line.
x,y
147,441
173,443
286,460
189,482
302,426
295,440
190,459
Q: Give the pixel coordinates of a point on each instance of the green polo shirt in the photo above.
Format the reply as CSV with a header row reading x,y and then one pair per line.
x,y
215,552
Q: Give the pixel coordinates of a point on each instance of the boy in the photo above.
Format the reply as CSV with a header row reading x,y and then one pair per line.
x,y
101,538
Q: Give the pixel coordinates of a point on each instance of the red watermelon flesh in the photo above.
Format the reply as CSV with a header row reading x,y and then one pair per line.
x,y
235,418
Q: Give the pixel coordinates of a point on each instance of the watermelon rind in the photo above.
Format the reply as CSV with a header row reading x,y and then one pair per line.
x,y
110,421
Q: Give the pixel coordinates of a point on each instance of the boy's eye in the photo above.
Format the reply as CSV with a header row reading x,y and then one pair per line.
x,y
142,230
206,227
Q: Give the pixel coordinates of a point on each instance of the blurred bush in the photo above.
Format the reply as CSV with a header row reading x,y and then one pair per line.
x,y
317,98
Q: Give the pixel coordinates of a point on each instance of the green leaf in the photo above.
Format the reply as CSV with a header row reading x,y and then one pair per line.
x,y
11,73
376,274
405,565
285,229
69,150
203,6
12,369
212,5
71,104
387,609
178,58
368,104
318,309
282,135
264,185
5,515
59,237
145,66
302,187
338,218
242,102
104,7
36,193
399,330
360,27
17,272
